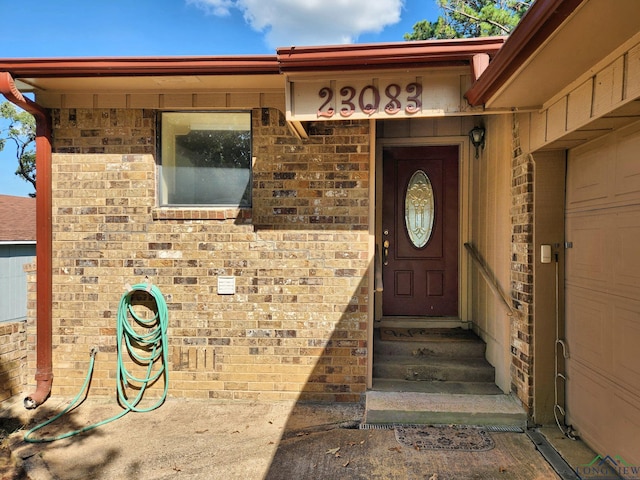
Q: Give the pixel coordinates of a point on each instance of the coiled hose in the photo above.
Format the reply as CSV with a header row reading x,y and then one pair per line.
x,y
145,349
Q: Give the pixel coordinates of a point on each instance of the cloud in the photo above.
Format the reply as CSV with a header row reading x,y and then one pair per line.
x,y
309,22
219,8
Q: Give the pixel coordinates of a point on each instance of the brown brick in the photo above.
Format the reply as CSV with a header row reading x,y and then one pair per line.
x,y
297,256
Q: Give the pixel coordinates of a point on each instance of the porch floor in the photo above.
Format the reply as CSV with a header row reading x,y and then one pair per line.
x,y
443,409
204,439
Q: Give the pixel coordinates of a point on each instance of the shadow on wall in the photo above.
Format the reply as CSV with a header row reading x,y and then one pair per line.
x,y
13,339
337,379
308,283
332,398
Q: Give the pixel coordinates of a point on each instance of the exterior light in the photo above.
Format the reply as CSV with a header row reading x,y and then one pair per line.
x,y
477,138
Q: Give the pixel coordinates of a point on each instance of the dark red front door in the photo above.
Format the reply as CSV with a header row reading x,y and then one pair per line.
x,y
420,231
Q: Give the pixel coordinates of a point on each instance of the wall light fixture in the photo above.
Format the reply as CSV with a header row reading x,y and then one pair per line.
x,y
477,138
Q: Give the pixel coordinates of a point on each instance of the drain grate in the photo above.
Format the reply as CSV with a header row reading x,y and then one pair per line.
x,y
376,426
487,428
503,428
551,455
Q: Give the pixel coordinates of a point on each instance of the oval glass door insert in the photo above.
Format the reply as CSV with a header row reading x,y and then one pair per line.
x,y
419,209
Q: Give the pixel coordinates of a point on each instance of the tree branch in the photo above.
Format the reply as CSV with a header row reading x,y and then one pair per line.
x,y
477,19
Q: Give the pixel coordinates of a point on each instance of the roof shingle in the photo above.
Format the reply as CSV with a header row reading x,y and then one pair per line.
x,y
17,218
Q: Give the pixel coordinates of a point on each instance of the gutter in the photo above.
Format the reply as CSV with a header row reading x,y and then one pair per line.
x,y
44,349
146,66
386,55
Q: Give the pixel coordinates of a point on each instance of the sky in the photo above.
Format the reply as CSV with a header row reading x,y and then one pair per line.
x,y
121,28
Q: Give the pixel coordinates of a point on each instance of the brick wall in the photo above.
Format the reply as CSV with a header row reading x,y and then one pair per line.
x,y
296,328
13,355
522,271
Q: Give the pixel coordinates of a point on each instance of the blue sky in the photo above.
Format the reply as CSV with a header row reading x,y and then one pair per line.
x,y
90,28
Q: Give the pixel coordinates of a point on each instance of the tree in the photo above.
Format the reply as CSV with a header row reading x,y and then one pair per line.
x,y
471,18
20,128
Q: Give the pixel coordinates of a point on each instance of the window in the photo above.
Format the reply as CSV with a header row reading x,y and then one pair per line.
x,y
205,158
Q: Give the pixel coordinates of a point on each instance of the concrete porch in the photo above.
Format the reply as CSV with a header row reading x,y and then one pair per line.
x,y
441,378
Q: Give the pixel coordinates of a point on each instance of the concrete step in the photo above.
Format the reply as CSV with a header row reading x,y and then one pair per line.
x,y
437,408
426,333
466,388
450,349
433,369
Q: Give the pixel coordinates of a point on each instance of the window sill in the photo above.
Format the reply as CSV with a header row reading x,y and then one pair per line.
x,y
203,213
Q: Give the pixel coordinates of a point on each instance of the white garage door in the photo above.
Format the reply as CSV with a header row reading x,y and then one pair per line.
x,y
603,293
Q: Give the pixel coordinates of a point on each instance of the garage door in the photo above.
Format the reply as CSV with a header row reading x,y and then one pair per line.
x,y
603,293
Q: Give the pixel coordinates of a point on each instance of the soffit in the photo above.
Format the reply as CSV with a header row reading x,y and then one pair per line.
x,y
144,74
591,33
153,84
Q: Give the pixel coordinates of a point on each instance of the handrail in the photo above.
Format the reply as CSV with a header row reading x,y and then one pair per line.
x,y
489,277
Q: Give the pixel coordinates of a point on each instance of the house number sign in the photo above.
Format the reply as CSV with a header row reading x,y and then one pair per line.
x,y
369,100
354,97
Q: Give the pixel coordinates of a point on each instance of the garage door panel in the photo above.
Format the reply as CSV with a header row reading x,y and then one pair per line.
x,y
626,424
587,177
626,248
628,176
588,261
589,332
627,165
606,418
626,342
588,409
606,172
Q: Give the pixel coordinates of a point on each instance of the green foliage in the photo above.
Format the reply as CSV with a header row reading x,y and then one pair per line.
x,y
19,128
471,18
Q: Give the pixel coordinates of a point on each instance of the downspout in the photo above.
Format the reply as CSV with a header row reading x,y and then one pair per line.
x,y
44,349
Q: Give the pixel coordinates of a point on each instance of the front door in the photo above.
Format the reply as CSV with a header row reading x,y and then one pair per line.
x,y
420,231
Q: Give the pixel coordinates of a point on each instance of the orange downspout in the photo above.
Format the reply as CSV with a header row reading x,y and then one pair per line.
x,y
44,350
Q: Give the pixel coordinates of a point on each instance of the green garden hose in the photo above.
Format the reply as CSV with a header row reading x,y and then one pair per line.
x,y
145,349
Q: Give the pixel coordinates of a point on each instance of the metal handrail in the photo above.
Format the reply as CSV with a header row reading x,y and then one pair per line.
x,y
490,278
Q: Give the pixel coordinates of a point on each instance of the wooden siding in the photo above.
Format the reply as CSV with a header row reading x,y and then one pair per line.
x,y
491,234
13,281
602,99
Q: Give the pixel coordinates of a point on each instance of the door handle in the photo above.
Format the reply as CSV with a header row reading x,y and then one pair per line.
x,y
385,252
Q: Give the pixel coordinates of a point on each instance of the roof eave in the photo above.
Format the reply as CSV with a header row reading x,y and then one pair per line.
x,y
386,55
288,59
542,19
140,66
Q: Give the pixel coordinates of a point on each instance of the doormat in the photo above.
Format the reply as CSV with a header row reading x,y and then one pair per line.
x,y
426,334
460,438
